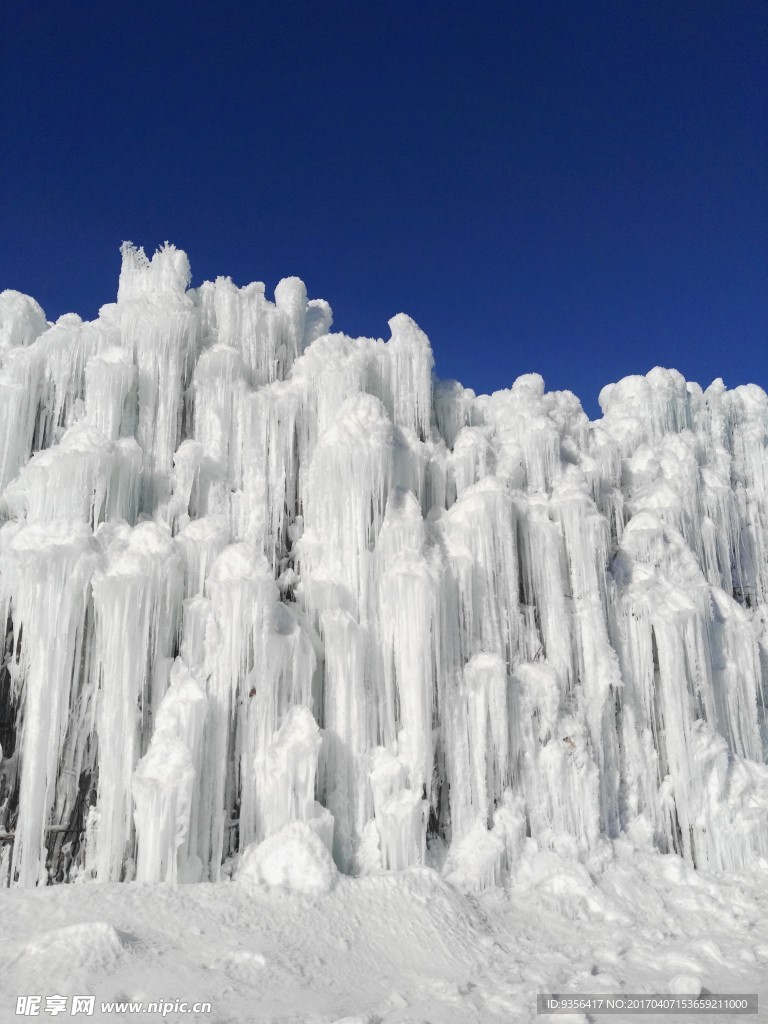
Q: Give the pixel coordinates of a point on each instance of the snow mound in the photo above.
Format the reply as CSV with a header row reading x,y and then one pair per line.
x,y
476,861
685,985
67,957
295,858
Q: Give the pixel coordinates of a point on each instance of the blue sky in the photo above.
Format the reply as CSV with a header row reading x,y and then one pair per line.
x,y
579,189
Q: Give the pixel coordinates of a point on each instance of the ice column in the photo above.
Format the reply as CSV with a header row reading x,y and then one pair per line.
x,y
240,587
161,326
347,730
349,481
163,781
409,584
45,580
110,392
280,691
137,598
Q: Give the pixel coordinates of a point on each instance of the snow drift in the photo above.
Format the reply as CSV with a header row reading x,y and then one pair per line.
x,y
255,573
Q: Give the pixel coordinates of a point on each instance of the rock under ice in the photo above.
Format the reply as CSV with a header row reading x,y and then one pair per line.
x,y
254,573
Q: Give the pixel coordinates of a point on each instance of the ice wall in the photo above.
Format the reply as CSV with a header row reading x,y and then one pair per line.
x,y
255,573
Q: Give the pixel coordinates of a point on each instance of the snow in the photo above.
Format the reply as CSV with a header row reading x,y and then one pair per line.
x,y
293,857
399,947
280,602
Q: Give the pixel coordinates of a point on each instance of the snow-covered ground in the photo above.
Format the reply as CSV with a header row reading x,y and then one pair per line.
x,y
399,947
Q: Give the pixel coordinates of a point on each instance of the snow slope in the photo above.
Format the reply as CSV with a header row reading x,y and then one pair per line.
x,y
403,947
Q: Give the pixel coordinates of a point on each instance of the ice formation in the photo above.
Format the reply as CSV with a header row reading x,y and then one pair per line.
x,y
260,580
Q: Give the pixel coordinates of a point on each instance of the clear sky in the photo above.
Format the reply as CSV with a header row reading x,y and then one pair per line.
x,y
576,188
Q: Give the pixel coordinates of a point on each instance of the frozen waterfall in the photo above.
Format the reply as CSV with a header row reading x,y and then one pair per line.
x,y
253,573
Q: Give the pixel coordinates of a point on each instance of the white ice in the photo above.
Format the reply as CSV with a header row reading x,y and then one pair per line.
x,y
259,577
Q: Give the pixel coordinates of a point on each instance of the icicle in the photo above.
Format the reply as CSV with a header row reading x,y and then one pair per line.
x,y
410,375
137,597
402,824
66,348
290,770
45,578
163,780
694,661
408,596
20,387
161,327
587,539
110,392
347,730
189,483
291,304
551,761
84,477
267,468
453,408
399,814
480,535
280,688
270,336
218,389
200,543
349,481
486,681
240,586
528,439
